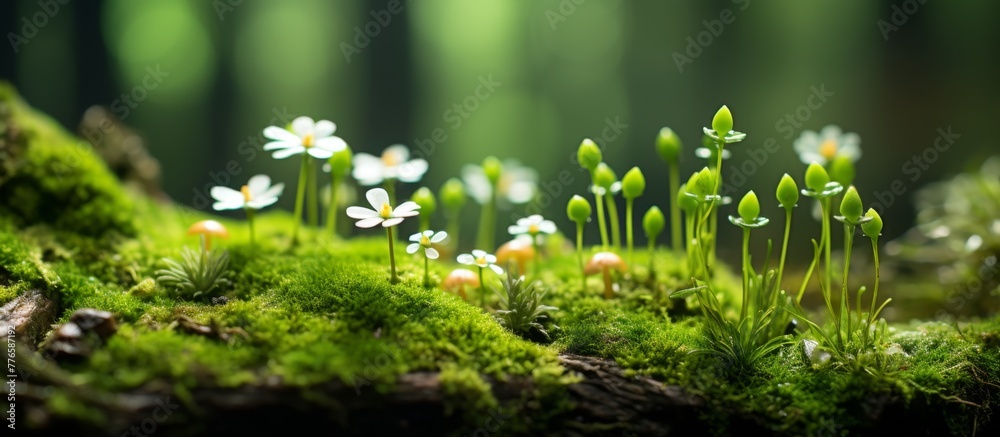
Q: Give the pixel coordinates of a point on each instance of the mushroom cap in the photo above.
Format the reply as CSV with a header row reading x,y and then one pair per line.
x,y
604,260
208,228
459,277
519,249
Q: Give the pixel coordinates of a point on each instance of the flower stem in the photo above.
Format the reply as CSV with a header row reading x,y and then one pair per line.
x,y
579,253
392,258
313,195
827,273
331,211
675,207
600,221
427,275
300,197
845,297
746,273
250,221
390,189
616,232
652,249
486,225
482,290
784,247
538,256
628,228
871,312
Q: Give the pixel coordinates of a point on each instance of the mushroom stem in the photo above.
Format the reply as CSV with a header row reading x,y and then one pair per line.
x,y
608,288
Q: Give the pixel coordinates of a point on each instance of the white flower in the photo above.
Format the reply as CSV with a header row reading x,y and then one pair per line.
x,y
383,213
426,239
480,259
532,226
518,184
314,138
256,194
395,163
826,145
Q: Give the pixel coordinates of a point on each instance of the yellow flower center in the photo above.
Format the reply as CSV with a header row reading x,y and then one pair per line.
x,y
308,141
481,261
424,241
246,193
390,159
533,229
828,149
386,211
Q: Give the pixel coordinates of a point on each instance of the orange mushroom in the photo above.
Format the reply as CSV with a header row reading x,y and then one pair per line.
x,y
603,262
208,229
458,280
518,250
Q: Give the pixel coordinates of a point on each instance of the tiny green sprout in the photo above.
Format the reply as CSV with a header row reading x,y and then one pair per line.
x,y
653,223
816,177
339,166
493,169
723,121
633,185
589,154
787,192
428,205
578,210
873,228
685,202
669,145
842,170
749,207
851,207
607,180
704,185
452,195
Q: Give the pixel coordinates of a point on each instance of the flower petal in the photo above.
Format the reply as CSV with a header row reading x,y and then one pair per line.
x,y
412,248
439,237
274,191
333,144
319,153
324,128
496,269
278,134
258,184
357,212
547,227
369,222
399,152
466,259
412,171
284,153
377,197
476,183
226,195
392,222
223,206
432,253
262,202
303,126
478,253
416,237
276,145
490,258
516,230
406,208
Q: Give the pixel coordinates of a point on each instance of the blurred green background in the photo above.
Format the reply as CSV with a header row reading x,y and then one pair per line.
x,y
562,71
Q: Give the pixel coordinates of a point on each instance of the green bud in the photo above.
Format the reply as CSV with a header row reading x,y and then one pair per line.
x,y
705,184
749,207
425,198
816,177
589,154
452,194
653,222
604,176
723,121
874,226
578,209
842,170
788,192
668,145
633,184
685,202
851,207
340,162
493,169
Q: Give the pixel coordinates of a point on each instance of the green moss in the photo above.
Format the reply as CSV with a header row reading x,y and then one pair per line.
x,y
57,179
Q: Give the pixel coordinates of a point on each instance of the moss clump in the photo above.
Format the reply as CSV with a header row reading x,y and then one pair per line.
x,y
52,177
